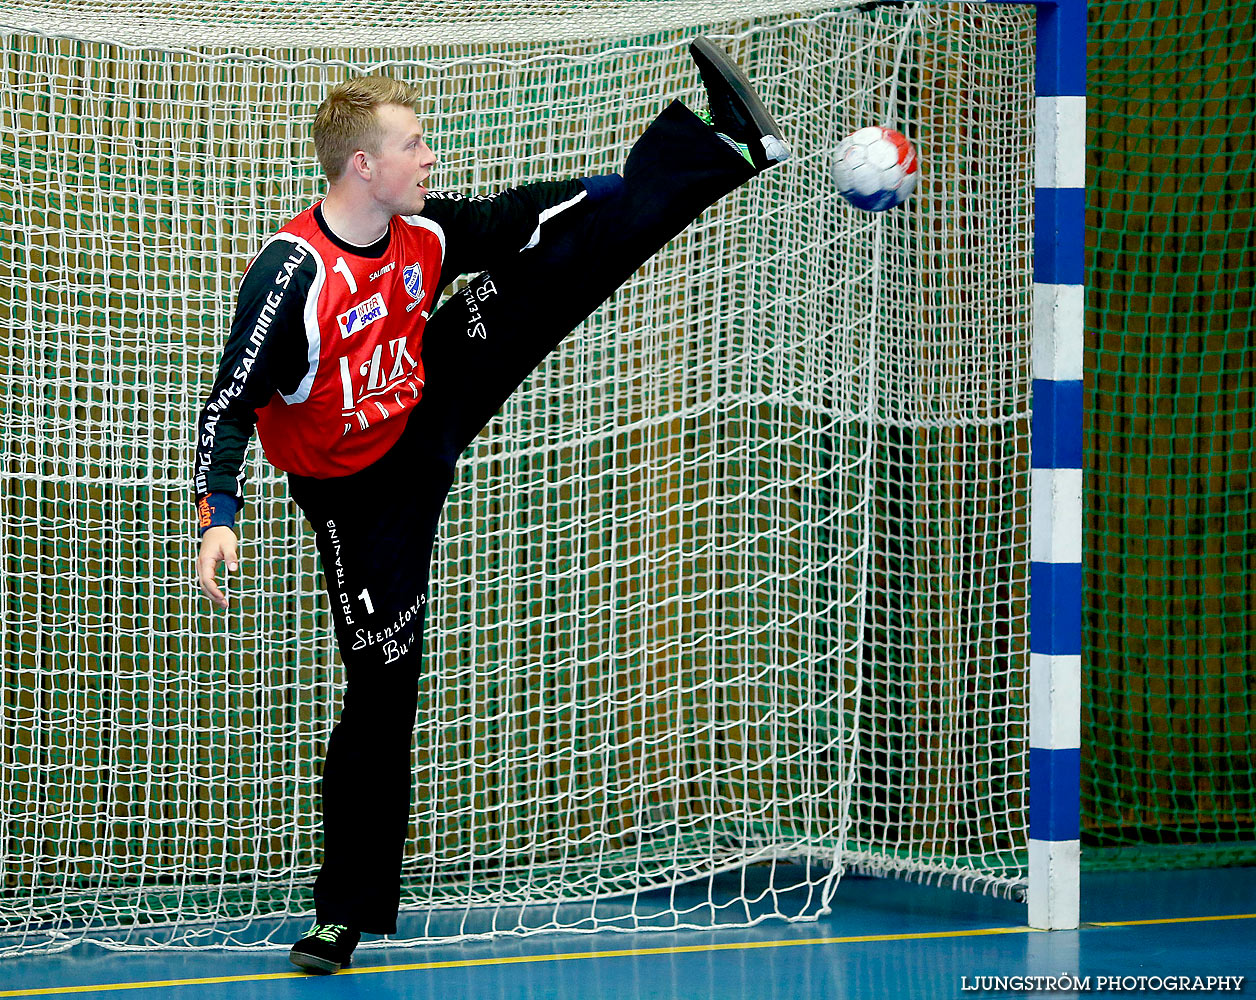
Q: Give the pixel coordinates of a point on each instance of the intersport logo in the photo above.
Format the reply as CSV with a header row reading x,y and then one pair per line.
x,y
362,315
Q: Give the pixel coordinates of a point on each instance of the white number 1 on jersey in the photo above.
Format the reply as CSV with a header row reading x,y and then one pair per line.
x,y
343,268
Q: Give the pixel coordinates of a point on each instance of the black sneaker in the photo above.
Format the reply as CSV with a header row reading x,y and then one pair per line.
x,y
736,109
327,948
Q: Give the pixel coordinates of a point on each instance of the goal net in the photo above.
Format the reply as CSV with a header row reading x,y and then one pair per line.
x,y
736,583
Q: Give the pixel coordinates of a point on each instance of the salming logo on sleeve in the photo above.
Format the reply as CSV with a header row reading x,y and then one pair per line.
x,y
232,392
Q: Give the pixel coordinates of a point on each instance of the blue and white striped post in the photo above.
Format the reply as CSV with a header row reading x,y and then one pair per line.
x,y
1055,596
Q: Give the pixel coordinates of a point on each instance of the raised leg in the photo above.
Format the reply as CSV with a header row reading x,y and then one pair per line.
x,y
482,343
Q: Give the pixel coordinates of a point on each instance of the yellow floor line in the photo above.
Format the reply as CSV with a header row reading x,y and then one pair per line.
x,y
619,953
1170,920
519,960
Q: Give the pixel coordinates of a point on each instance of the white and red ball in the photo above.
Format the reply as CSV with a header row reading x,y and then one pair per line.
x,y
876,168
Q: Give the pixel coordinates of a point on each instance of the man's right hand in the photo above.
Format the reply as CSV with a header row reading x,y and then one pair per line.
x,y
218,545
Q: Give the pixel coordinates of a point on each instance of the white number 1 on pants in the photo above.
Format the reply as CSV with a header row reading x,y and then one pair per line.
x,y
366,599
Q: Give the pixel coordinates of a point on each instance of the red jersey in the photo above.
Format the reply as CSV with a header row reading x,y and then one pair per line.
x,y
364,319
325,356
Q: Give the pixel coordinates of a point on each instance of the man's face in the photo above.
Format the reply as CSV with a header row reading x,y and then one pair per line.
x,y
403,163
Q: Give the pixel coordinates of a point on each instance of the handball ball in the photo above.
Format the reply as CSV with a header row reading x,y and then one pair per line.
x,y
876,168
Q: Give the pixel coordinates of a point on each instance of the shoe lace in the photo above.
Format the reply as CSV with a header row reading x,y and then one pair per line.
x,y
327,932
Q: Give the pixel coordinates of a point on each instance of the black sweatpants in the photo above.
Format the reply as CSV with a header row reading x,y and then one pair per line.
x,y
375,528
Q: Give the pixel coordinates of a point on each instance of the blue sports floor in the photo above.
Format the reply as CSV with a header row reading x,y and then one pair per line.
x,y
883,939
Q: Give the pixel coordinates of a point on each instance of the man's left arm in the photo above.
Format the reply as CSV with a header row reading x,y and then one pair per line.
x,y
480,230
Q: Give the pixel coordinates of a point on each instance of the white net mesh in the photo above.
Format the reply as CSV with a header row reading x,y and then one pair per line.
x,y
738,576
255,26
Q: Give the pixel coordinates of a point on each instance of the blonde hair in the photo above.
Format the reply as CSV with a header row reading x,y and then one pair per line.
x,y
346,121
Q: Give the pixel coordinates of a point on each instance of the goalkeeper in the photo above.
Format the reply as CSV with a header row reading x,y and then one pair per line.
x,y
365,394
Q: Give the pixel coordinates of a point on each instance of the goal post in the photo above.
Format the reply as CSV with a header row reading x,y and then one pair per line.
x,y
1055,628
742,579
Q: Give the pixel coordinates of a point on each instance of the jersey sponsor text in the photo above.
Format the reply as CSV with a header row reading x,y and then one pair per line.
x,y
362,315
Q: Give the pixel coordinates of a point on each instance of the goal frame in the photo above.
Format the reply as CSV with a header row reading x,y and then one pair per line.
x,y
1053,676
